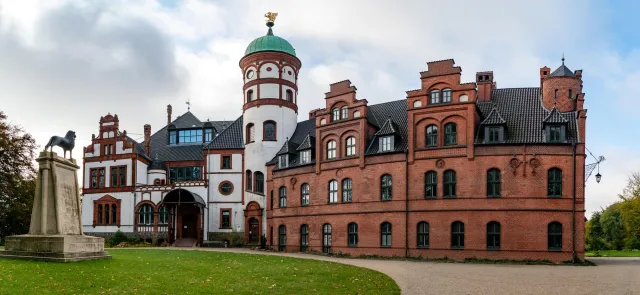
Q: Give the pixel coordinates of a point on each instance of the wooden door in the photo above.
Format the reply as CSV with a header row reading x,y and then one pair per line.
x,y
189,226
254,230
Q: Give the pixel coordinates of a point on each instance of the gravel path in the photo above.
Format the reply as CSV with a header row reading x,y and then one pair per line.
x,y
611,276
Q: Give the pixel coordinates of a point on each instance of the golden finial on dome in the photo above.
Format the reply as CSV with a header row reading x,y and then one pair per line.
x,y
271,16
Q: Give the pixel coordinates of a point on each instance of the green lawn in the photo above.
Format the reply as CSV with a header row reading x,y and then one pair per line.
x,y
614,253
134,271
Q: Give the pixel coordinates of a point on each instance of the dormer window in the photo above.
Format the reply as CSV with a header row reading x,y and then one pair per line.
x,y
305,157
283,161
434,97
189,136
386,143
494,134
208,135
173,137
556,133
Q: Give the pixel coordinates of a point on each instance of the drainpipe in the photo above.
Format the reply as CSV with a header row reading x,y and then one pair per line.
x,y
573,215
406,208
206,173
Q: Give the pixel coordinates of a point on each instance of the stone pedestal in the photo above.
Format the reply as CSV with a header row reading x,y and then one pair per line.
x,y
55,233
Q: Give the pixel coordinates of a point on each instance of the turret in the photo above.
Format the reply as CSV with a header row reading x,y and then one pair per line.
x,y
561,88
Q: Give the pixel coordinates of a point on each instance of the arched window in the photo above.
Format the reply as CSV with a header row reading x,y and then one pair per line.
x,y
554,182
251,133
304,238
249,95
385,187
430,185
344,113
282,238
555,236
493,183
352,230
434,97
163,215
331,149
457,235
385,234
99,214
114,213
326,238
432,135
335,114
283,197
350,146
450,137
289,95
423,234
145,215
304,194
346,190
449,184
249,180
493,235
446,95
333,191
259,182
269,132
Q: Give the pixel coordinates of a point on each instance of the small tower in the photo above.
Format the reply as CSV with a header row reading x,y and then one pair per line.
x,y
561,88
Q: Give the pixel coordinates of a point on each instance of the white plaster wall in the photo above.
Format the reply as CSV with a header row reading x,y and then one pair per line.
x,y
121,150
126,212
107,165
156,173
216,179
141,171
237,217
96,151
289,77
213,161
255,75
274,73
255,93
284,93
269,90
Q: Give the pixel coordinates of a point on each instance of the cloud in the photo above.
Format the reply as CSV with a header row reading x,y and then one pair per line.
x,y
65,63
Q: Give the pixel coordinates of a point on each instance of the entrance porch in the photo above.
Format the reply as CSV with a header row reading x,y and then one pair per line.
x,y
186,222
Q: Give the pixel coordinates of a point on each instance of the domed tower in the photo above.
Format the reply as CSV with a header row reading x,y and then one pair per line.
x,y
561,88
270,72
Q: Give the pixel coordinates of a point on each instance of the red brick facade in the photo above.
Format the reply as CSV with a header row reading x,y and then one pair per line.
x,y
523,209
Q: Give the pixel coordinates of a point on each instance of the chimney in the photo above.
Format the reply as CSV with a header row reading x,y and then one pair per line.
x,y
147,139
168,114
544,73
484,80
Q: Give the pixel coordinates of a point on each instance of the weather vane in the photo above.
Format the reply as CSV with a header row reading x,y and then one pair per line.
x,y
188,103
271,16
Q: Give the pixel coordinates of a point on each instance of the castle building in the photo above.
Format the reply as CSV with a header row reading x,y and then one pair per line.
x,y
454,169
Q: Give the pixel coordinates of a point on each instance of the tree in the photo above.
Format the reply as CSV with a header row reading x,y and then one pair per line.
x,y
613,227
630,212
17,178
594,234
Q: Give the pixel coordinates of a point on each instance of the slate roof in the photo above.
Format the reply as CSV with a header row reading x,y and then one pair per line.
x,y
139,147
387,129
555,117
230,138
308,142
396,111
289,147
161,151
562,71
303,130
524,113
494,118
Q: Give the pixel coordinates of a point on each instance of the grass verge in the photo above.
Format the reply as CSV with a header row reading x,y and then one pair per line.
x,y
614,253
137,271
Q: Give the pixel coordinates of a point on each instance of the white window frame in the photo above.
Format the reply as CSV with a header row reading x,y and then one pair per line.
x,y
351,146
331,149
283,161
386,143
305,157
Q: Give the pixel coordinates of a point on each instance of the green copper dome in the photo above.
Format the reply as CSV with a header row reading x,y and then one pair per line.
x,y
270,43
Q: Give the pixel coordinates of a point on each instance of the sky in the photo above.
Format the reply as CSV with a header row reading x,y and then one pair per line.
x,y
66,63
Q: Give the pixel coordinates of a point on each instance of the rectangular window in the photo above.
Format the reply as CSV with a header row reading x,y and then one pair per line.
x,y
226,162
208,135
305,157
305,195
97,177
555,133
173,137
434,97
118,176
190,136
333,191
386,143
345,113
446,96
283,161
226,218
494,134
184,173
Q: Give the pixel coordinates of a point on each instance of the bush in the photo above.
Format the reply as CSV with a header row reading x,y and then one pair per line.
x,y
118,238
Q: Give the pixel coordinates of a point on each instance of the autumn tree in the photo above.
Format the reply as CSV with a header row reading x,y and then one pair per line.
x,y
17,178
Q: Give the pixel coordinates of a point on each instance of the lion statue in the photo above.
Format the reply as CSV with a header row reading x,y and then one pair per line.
x,y
67,143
